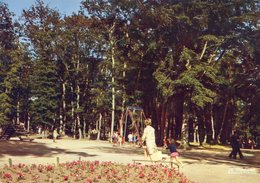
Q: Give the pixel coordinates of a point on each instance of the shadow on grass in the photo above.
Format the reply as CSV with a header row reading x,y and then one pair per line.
x,y
211,147
251,159
119,150
19,148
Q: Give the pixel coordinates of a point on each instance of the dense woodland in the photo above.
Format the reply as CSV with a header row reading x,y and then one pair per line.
x,y
192,65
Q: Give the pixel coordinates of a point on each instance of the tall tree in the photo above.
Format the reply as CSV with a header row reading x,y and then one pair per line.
x,y
41,24
8,44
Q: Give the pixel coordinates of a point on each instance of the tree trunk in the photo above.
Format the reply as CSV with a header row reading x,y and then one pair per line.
x,y
227,127
223,122
212,121
98,127
163,122
18,113
178,115
201,126
123,105
208,124
63,110
184,131
28,122
190,120
84,128
171,119
112,46
217,114
72,114
78,118
190,129
121,125
157,119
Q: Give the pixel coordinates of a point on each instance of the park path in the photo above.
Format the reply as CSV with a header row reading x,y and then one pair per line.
x,y
202,166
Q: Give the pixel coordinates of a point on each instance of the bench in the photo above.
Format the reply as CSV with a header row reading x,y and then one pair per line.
x,y
163,161
26,139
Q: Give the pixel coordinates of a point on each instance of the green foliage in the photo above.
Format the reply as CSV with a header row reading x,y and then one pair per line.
x,y
200,94
188,57
4,108
210,38
166,53
45,90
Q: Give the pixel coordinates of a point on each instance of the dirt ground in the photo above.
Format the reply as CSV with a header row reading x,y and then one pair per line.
x,y
201,165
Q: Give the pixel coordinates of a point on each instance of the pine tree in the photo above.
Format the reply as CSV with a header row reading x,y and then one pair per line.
x,y
7,45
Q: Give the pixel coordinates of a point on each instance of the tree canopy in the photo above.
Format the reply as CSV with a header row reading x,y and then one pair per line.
x,y
193,66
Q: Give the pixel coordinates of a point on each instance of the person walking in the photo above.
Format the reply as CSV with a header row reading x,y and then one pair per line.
x,y
234,142
149,138
174,154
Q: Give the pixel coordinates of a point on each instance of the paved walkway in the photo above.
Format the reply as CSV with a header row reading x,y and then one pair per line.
x,y
202,166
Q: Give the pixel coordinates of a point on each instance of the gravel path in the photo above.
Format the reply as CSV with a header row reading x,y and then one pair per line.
x,y
202,166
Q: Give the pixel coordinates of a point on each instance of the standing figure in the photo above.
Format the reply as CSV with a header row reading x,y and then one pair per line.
x,y
174,155
114,138
134,138
149,138
130,138
251,142
234,142
55,134
120,140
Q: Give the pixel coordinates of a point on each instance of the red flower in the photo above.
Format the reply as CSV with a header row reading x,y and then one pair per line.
x,y
119,178
165,170
20,175
7,176
114,171
126,175
21,165
96,162
78,177
89,180
95,171
170,175
65,178
141,175
91,168
184,180
49,168
162,178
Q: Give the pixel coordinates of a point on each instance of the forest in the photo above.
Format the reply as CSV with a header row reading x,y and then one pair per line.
x,y
193,66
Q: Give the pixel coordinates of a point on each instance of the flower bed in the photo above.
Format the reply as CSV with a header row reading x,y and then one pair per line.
x,y
90,171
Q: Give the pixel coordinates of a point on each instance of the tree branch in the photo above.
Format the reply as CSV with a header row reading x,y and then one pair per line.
x,y
204,49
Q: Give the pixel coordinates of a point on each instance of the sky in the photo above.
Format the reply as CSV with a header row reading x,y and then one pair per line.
x,y
65,7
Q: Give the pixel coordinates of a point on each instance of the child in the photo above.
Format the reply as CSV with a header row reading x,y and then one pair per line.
x,y
114,138
120,140
174,153
130,138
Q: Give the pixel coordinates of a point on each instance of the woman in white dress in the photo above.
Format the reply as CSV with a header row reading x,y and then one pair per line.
x,y
149,138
